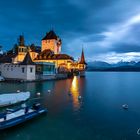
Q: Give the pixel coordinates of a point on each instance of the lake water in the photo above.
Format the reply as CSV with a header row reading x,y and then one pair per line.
x,y
98,116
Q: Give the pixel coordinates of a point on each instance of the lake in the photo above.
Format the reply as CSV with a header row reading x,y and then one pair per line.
x,y
98,116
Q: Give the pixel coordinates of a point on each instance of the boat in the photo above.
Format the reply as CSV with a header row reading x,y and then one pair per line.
x,y
12,118
125,106
13,98
49,91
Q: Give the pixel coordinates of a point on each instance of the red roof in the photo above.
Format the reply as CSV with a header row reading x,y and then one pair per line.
x,y
49,55
82,60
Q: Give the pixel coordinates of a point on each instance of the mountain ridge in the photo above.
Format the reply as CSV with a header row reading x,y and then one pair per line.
x,y
120,66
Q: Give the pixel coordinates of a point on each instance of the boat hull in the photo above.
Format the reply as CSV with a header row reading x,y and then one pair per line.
x,y
21,119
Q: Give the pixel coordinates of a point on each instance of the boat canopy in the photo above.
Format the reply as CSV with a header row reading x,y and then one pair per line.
x,y
12,98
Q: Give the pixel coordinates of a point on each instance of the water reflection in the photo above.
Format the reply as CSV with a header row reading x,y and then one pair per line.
x,y
75,92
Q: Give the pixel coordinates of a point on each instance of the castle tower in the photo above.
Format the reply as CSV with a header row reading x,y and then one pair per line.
x,y
22,49
51,41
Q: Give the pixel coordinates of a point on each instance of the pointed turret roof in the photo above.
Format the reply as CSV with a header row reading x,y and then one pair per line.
x,y
50,35
82,60
27,60
21,40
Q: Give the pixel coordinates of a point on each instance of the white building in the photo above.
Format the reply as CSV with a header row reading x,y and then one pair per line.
x,y
23,71
27,70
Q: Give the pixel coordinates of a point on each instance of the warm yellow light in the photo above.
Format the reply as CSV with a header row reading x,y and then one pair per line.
x,y
75,92
75,83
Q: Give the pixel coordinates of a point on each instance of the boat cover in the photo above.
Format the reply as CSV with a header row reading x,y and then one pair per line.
x,y
12,98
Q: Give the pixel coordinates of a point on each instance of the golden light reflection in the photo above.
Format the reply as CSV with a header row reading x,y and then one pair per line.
x,y
75,92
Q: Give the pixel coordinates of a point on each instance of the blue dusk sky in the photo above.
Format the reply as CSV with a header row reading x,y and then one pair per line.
x,y
109,30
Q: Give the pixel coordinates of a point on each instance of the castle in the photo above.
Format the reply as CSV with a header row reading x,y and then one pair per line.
x,y
47,60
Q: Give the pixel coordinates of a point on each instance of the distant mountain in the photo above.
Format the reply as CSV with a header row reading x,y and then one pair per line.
x,y
120,66
121,63
98,64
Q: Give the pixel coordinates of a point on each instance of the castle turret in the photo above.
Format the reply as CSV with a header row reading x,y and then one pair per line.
x,y
21,50
82,60
21,40
82,63
51,42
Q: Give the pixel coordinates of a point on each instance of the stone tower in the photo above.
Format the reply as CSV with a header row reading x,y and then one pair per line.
x,y
22,49
51,41
21,46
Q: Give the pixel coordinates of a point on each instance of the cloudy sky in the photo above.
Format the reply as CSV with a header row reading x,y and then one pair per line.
x,y
108,30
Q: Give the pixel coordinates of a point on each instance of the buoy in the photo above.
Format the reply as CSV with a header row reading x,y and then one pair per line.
x,y
125,106
18,91
38,93
79,97
49,91
138,131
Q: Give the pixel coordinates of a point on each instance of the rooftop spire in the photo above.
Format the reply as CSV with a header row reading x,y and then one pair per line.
x,y
82,60
21,40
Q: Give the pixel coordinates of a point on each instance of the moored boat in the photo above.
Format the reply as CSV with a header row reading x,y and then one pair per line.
x,y
12,118
13,98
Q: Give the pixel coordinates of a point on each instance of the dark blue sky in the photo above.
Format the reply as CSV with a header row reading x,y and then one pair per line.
x,y
108,30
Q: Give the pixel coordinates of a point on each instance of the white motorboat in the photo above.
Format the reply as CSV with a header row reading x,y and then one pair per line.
x,y
12,117
13,98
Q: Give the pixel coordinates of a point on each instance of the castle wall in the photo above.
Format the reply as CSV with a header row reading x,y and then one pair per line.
x,y
52,45
13,71
58,62
48,44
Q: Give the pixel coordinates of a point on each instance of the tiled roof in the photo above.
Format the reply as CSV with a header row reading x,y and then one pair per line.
x,y
27,60
49,55
7,58
50,35
34,48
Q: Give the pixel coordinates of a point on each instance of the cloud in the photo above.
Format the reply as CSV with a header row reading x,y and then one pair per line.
x,y
116,57
103,27
121,38
121,33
